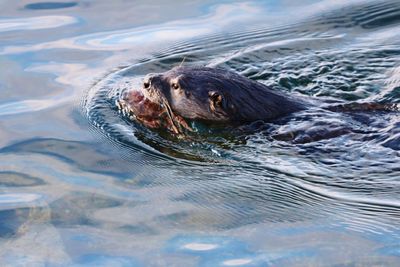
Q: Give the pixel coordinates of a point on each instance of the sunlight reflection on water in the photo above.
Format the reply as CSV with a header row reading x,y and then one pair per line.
x,y
36,23
114,194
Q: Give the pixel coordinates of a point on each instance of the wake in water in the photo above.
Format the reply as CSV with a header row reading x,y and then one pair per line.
x,y
331,158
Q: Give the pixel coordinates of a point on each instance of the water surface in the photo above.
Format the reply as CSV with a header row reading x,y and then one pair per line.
x,y
81,185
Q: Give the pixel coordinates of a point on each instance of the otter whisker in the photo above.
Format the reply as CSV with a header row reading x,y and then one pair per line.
x,y
171,116
163,102
183,60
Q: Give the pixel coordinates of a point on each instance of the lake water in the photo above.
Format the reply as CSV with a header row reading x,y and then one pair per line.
x,y
82,186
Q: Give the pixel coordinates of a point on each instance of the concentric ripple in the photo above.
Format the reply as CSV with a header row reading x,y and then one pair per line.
x,y
343,165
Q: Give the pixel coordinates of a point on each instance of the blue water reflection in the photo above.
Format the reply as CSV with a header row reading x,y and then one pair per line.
x,y
81,186
227,251
35,23
104,260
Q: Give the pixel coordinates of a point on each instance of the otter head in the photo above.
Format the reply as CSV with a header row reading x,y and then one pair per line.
x,y
191,92
169,99
200,93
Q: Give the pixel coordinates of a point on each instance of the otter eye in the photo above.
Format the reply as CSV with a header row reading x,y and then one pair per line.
x,y
175,86
216,99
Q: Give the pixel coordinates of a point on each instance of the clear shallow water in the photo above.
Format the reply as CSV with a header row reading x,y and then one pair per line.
x,y
81,186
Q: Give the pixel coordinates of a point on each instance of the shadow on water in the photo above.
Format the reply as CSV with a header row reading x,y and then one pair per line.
x,y
50,5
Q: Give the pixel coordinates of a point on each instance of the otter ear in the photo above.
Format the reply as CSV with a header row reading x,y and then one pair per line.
x,y
216,99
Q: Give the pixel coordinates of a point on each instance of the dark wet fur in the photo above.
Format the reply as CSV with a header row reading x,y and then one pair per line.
x,y
218,95
222,98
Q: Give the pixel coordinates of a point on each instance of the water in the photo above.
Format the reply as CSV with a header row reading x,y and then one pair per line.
x,y
82,186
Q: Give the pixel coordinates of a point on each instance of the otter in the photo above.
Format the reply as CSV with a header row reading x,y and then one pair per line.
x,y
213,95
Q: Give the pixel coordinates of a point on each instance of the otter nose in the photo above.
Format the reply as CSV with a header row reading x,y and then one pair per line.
x,y
148,80
146,83
151,80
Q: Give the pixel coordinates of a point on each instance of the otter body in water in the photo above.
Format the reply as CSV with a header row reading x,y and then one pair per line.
x,y
169,99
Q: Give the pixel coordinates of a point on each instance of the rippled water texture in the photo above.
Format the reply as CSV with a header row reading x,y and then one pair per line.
x,y
82,186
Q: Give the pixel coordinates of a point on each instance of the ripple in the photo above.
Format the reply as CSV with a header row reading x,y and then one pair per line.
x,y
25,106
261,179
230,251
50,5
36,23
17,199
100,109
237,262
66,75
142,37
205,245
16,179
106,260
200,246
341,165
245,198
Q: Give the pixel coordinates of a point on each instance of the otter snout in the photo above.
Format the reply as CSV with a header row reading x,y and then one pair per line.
x,y
147,82
129,97
152,81
153,87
